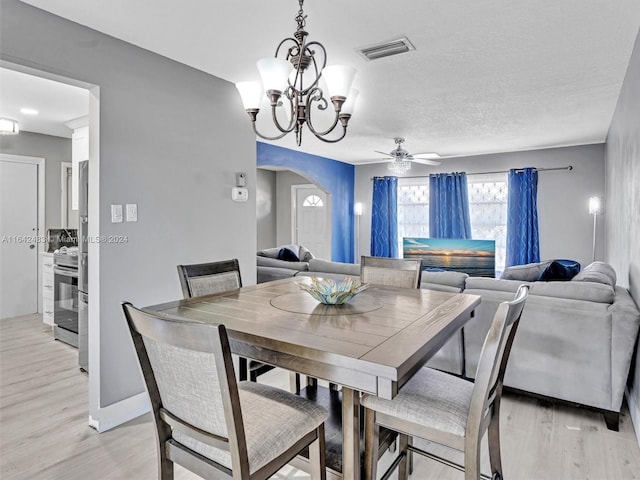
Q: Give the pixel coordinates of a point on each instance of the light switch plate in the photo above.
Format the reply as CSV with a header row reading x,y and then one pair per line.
x,y
116,213
132,212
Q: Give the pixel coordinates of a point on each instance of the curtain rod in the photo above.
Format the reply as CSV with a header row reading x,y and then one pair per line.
x,y
567,168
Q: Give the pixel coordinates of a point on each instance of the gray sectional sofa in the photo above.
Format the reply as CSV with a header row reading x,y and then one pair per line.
x,y
270,267
575,341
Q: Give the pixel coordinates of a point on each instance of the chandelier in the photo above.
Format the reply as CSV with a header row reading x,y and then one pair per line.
x,y
292,95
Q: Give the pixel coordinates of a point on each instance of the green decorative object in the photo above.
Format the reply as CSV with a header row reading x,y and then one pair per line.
x,y
330,292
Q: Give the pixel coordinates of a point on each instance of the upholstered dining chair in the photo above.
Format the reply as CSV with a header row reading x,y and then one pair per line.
x,y
205,420
449,410
390,272
215,277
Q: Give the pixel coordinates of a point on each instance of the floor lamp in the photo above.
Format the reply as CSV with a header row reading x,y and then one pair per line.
x,y
357,210
595,209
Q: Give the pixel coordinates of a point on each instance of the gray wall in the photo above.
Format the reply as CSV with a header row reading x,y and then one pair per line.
x,y
266,208
284,181
54,150
622,203
180,176
565,226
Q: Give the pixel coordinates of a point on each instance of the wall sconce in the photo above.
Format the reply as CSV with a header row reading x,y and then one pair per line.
x,y
595,209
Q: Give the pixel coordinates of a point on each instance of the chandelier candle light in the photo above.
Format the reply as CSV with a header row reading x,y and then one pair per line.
x,y
300,94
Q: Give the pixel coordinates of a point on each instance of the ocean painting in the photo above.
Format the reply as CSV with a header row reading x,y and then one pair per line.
x,y
474,257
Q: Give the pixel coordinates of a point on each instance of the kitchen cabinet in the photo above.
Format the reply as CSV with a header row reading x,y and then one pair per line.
x,y
48,291
79,153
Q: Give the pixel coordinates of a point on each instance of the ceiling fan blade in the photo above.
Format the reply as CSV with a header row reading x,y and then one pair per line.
x,y
429,155
424,161
385,154
376,160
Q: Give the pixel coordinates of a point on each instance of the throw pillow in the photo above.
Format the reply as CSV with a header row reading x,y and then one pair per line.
x,y
525,273
269,252
304,254
561,270
598,272
288,255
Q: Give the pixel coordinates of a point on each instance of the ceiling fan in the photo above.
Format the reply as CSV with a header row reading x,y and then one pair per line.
x,y
400,159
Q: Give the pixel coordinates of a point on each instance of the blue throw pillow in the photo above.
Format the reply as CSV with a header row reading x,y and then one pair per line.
x,y
288,255
560,270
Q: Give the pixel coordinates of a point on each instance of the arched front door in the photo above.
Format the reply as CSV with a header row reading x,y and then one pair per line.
x,y
311,219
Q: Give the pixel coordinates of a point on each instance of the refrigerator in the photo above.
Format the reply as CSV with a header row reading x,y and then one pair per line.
x,y
83,265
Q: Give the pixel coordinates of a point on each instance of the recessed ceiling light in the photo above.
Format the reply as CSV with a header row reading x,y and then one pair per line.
x,y
29,111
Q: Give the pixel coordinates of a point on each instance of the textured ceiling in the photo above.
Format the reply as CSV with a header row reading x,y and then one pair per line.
x,y
490,76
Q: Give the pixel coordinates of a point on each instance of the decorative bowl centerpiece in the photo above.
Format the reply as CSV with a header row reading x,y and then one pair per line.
x,y
330,292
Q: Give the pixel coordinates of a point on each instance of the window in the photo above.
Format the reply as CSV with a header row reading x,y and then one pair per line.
x,y
488,212
413,208
313,201
487,209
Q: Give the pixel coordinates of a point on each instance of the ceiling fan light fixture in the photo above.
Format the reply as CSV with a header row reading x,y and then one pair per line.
x,y
399,166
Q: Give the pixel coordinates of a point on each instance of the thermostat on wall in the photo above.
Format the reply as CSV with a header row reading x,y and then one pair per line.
x,y
239,194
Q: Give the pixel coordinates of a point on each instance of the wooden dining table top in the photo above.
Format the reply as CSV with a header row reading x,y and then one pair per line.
x,y
373,343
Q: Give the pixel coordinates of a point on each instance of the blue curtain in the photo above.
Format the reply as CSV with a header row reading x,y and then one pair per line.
x,y
384,217
449,206
522,217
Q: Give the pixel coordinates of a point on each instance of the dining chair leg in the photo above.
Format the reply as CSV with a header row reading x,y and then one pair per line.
x,y
243,367
317,457
165,466
493,435
371,439
294,382
403,442
472,457
410,454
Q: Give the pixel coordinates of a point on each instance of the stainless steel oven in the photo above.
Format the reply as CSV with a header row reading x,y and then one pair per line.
x,y
65,314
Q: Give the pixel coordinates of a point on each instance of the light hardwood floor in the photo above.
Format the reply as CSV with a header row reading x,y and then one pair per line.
x,y
44,432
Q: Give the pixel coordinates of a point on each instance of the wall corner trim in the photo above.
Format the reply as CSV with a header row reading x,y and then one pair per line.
x,y
634,410
120,412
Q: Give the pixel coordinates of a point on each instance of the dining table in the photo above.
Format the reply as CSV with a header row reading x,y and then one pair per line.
x,y
371,344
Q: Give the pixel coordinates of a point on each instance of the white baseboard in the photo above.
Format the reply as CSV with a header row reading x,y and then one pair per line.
x,y
120,412
634,410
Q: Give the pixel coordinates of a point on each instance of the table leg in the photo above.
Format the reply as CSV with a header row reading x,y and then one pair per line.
x,y
350,434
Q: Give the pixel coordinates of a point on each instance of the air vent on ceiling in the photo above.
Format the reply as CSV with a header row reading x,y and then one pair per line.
x,y
386,49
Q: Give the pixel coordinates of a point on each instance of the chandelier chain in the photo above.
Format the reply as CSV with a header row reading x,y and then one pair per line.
x,y
301,18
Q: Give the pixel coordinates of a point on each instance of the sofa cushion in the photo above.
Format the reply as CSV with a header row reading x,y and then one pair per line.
x,y
598,272
483,283
288,255
585,291
274,262
448,279
318,265
268,274
269,252
527,273
560,270
304,254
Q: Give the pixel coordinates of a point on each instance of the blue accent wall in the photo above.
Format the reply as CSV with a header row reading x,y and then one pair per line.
x,y
334,177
